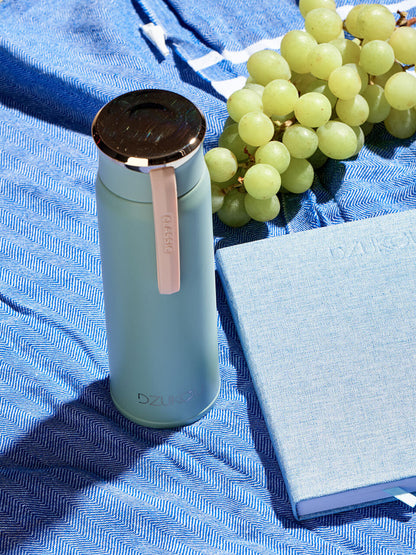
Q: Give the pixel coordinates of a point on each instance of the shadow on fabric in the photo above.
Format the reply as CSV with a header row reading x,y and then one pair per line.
x,y
275,483
86,442
44,96
190,76
381,143
253,231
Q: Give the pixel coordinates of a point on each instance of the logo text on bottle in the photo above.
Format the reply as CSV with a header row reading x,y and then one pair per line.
x,y
165,400
168,237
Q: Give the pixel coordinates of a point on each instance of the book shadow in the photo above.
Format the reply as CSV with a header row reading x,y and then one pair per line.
x,y
394,510
84,443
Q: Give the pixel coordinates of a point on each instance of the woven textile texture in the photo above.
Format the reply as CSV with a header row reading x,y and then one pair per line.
x,y
75,476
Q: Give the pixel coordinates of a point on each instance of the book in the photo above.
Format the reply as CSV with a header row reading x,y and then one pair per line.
x,y
327,322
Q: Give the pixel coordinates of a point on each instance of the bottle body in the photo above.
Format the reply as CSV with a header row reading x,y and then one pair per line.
x,y
162,349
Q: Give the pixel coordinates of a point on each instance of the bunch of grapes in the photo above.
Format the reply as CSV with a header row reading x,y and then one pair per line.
x,y
316,99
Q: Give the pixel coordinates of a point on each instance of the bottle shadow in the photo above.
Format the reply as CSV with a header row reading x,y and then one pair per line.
x,y
274,479
85,442
190,76
44,96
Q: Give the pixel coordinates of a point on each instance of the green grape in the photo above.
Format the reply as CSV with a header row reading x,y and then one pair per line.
x,y
353,111
375,22
337,140
306,6
217,197
231,139
243,101
323,59
350,51
275,154
367,127
233,212
255,128
401,123
362,74
266,65
262,210
359,133
295,47
383,78
321,86
228,121
345,82
230,183
313,109
222,164
278,119
262,181
377,57
255,87
323,24
378,106
400,91
352,23
318,159
298,177
302,81
279,97
403,42
300,141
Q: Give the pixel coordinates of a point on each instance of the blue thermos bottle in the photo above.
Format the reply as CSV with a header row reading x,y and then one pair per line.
x,y
156,242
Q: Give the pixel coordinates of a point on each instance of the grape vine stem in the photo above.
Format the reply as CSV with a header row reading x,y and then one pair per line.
x,y
403,21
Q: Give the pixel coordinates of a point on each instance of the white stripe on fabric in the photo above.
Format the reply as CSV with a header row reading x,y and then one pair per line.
x,y
402,495
206,61
228,86
234,56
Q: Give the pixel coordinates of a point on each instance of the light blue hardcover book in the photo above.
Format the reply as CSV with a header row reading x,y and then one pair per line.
x,y
327,321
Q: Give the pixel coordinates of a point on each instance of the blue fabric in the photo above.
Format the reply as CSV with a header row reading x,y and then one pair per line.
x,y
336,376
76,477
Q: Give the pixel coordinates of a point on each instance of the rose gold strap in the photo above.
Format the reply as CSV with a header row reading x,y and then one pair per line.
x,y
165,212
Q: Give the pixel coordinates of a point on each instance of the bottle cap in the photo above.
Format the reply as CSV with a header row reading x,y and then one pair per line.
x,y
149,127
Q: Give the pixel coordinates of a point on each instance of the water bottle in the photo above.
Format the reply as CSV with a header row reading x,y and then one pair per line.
x,y
156,243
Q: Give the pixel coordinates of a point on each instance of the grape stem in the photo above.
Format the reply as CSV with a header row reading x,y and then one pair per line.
x,y
237,185
249,162
403,21
280,127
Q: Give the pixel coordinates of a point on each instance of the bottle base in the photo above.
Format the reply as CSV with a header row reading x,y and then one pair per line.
x,y
169,424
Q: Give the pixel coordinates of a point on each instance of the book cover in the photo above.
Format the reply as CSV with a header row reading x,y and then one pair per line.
x,y
327,321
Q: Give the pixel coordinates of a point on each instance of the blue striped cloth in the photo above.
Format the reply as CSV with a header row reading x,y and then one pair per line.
x,y
75,476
